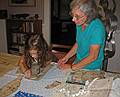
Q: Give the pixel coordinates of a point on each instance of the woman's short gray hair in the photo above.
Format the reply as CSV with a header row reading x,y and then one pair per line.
x,y
87,6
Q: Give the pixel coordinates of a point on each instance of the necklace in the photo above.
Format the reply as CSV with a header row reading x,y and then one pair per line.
x,y
84,26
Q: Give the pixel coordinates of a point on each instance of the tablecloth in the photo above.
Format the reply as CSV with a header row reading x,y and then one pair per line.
x,y
38,87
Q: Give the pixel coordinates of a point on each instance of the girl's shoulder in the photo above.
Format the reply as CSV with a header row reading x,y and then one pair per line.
x,y
22,58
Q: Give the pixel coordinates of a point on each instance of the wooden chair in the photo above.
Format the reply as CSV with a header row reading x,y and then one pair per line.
x,y
61,50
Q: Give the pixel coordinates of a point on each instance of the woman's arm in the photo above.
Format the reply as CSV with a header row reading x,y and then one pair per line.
x,y
71,53
93,55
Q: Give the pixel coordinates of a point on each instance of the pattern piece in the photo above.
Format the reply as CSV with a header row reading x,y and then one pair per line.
x,y
96,88
81,76
10,87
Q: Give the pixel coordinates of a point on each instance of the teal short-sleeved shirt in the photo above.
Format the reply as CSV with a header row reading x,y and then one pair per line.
x,y
93,34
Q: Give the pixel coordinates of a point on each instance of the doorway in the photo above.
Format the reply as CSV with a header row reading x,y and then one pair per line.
x,y
62,27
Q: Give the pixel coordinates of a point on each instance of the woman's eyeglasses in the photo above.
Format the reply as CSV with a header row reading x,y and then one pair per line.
x,y
76,16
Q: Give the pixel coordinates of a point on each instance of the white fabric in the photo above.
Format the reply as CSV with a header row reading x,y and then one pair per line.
x,y
38,87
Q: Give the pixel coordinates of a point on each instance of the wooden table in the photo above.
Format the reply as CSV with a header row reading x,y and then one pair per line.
x,y
7,62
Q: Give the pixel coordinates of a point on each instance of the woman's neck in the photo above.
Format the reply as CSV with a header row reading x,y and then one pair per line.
x,y
84,26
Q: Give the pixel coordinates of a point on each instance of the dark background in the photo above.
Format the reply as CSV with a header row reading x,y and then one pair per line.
x,y
62,27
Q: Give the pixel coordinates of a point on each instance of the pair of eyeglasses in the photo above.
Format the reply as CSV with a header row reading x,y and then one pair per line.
x,y
76,16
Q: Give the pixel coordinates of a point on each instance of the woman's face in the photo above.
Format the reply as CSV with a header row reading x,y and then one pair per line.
x,y
34,53
79,17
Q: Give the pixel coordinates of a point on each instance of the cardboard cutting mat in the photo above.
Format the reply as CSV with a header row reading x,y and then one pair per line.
x,y
10,87
7,62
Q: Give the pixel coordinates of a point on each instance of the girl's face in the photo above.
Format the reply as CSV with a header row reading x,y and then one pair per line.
x,y
34,53
79,17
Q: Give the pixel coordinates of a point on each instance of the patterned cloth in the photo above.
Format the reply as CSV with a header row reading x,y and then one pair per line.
x,y
24,94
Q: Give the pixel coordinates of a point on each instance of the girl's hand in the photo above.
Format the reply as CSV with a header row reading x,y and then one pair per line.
x,y
28,73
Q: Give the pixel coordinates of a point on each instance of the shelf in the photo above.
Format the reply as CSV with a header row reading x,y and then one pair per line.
x,y
31,33
17,44
22,20
17,32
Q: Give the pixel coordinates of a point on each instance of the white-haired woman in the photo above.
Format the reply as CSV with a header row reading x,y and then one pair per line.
x,y
90,37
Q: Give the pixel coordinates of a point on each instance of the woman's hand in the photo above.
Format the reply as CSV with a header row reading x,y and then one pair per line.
x,y
28,73
64,66
62,61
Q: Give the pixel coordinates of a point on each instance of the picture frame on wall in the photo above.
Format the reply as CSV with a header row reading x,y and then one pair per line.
x,y
22,3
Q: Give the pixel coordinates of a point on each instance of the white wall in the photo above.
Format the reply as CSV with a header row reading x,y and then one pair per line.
x,y
47,20
114,62
117,13
3,40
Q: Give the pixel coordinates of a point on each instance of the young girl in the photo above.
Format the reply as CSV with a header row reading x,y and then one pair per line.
x,y
37,54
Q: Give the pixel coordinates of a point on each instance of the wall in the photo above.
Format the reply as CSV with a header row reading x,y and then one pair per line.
x,y
47,20
117,13
114,62
3,40
42,8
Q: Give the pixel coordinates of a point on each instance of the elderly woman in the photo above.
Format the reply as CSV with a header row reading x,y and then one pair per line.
x,y
90,37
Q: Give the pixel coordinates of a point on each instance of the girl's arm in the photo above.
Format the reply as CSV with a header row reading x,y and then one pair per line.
x,y
22,64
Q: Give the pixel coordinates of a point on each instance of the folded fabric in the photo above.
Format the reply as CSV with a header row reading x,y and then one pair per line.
x,y
24,94
81,76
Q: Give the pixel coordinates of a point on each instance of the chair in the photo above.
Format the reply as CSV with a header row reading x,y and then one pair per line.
x,y
61,50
